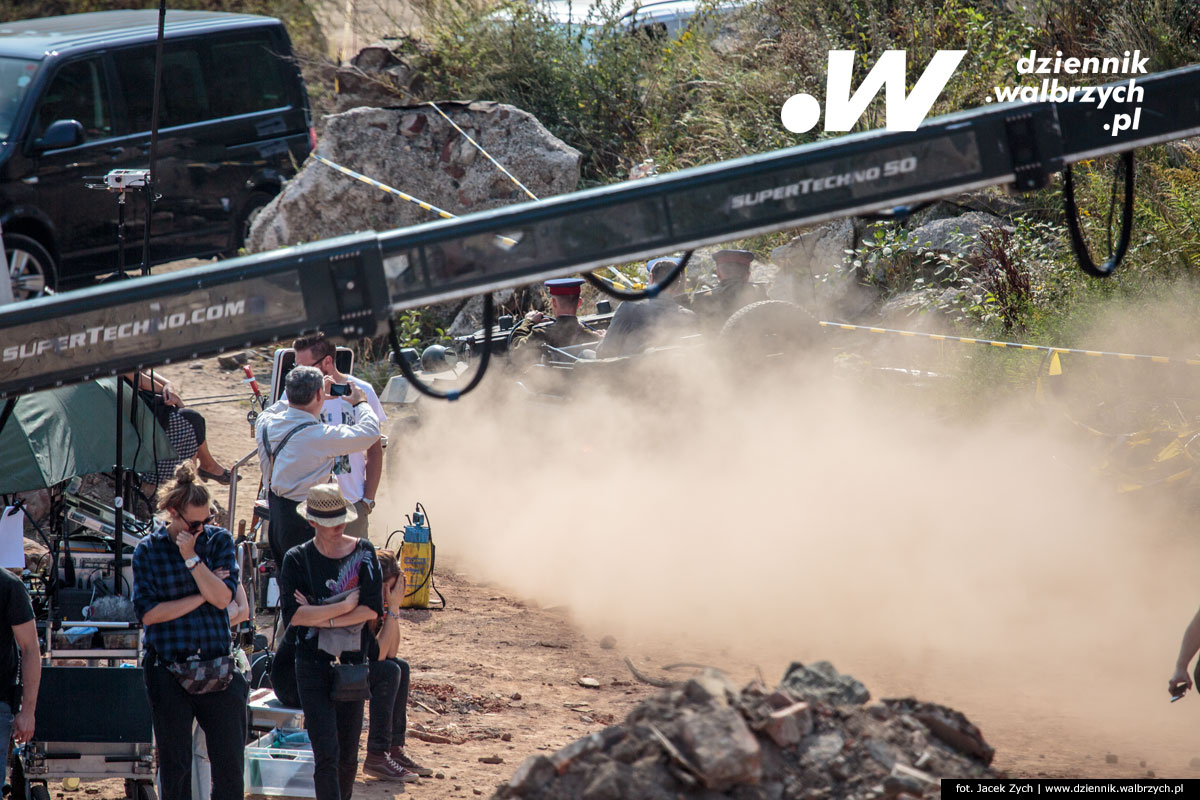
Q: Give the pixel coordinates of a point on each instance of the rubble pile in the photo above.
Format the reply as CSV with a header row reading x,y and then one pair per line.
x,y
813,736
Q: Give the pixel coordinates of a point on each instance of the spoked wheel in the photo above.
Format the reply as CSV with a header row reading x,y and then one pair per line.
x,y
30,267
768,330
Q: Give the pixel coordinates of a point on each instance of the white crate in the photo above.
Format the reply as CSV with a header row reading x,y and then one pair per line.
x,y
278,772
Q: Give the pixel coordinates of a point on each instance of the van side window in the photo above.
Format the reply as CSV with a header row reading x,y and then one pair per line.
x,y
184,98
256,85
76,92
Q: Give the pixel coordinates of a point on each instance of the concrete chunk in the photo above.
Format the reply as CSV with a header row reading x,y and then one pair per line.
x,y
722,748
787,726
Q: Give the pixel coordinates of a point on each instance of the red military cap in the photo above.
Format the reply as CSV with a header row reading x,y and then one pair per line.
x,y
564,287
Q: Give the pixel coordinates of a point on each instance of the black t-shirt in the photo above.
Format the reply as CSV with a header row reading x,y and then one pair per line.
x,y
319,578
14,600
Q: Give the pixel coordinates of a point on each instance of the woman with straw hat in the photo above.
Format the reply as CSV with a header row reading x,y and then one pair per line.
x,y
330,587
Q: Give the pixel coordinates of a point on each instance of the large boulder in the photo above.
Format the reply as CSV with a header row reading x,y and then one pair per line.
x,y
812,275
959,235
418,152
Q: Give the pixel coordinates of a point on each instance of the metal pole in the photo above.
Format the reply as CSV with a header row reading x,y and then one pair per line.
x,y
121,235
149,191
118,488
9,405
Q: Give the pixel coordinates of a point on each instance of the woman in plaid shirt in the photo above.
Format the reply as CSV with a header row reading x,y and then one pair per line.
x,y
185,574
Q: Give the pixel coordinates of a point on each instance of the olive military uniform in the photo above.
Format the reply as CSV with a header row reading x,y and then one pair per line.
x,y
526,339
563,332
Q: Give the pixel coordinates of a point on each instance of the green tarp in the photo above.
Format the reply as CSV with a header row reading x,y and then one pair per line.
x,y
55,435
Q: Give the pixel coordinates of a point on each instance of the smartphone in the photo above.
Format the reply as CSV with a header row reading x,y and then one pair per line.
x,y
340,390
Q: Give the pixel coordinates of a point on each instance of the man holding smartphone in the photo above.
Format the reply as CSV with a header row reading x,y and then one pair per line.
x,y
358,474
297,451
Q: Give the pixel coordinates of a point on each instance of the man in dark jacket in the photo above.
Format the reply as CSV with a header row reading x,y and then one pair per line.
x,y
654,322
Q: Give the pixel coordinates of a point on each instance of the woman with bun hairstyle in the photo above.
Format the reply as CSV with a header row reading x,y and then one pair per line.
x,y
185,575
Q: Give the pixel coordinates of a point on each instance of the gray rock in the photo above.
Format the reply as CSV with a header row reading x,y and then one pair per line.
x,y
470,317
710,687
951,726
822,748
722,748
902,784
1194,763
609,781
958,235
533,773
233,360
882,752
823,683
1111,758
811,273
577,749
416,151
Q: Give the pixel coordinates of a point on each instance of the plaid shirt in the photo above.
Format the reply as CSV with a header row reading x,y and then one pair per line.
x,y
159,576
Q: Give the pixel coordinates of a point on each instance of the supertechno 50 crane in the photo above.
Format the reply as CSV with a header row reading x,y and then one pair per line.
x,y
351,285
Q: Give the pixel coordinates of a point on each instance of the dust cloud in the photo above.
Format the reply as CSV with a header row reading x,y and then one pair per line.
x,y
977,559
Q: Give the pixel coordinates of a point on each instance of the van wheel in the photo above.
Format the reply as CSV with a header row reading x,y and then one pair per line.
x,y
254,204
30,267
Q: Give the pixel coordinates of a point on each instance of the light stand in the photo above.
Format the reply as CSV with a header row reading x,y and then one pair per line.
x,y
121,181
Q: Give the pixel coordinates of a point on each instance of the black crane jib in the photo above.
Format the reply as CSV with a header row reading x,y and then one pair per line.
x,y
346,286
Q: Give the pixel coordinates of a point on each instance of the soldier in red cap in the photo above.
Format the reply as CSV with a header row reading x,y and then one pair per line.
x,y
565,330
733,290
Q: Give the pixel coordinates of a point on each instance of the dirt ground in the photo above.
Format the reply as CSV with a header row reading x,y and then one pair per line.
x,y
496,674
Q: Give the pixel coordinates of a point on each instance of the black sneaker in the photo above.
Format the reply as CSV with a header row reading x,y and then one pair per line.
x,y
397,754
382,766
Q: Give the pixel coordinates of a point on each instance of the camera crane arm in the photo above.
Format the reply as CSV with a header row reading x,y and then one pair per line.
x,y
349,285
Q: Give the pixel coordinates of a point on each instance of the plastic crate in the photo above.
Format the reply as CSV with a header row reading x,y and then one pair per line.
x,y
278,771
266,711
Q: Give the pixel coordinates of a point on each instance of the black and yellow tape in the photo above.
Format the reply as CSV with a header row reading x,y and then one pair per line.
x,y
1190,362
508,242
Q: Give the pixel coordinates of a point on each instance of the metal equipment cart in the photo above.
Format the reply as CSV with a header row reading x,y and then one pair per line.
x,y
93,722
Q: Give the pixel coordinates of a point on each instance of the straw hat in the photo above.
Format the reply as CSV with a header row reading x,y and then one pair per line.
x,y
326,506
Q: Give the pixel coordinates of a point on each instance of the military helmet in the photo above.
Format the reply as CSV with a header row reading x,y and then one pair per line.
x,y
436,358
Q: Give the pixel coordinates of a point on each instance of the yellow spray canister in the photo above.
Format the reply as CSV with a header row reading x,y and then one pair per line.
x,y
416,560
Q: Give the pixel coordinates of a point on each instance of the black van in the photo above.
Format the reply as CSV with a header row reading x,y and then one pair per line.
x,y
75,103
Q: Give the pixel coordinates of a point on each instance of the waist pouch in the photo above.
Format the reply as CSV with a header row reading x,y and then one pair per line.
x,y
203,677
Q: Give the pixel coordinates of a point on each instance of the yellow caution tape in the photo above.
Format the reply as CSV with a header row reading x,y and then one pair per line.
x,y
1055,366
486,154
403,196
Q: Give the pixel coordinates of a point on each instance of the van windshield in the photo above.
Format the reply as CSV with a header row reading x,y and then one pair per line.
x,y
16,74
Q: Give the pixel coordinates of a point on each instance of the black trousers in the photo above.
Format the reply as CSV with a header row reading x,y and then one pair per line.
x,y
222,717
333,728
287,528
389,704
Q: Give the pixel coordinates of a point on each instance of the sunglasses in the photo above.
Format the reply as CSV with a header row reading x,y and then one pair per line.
x,y
195,525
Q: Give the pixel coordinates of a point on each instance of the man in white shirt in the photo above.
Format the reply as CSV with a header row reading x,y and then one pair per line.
x,y
296,451
358,473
